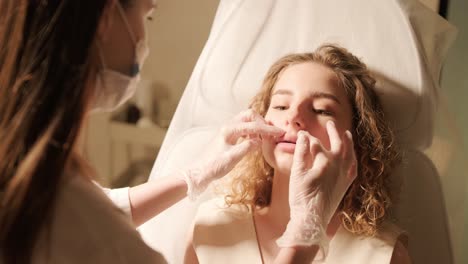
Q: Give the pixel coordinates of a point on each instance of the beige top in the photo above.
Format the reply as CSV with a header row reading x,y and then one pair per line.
x,y
227,235
88,228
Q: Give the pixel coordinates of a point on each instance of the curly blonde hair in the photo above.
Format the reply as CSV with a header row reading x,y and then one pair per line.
x,y
366,203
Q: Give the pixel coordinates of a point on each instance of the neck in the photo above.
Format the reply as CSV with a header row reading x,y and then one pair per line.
x,y
278,211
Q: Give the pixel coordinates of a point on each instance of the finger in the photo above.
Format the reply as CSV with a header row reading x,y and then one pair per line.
x,y
300,153
335,139
348,148
255,143
315,145
349,171
352,172
349,155
320,164
237,130
231,157
240,150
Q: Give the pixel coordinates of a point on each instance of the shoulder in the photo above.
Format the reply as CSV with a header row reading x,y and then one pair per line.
x,y
390,234
87,226
369,249
216,211
215,221
223,233
400,254
389,238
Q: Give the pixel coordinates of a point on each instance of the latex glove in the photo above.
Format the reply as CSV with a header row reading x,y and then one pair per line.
x,y
318,181
236,139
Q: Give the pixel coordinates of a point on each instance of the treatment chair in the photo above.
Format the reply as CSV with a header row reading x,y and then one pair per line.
x,y
401,41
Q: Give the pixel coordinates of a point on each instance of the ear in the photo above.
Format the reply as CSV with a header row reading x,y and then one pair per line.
x,y
106,20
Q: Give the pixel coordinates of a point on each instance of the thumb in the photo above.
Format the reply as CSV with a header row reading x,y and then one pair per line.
x,y
302,147
238,151
233,155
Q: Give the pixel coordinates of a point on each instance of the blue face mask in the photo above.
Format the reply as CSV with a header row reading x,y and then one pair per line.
x,y
112,87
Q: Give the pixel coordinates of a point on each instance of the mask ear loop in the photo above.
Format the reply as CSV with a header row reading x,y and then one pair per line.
x,y
135,67
103,63
127,25
101,56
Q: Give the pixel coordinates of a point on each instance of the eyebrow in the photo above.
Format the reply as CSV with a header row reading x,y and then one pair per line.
x,y
282,91
315,95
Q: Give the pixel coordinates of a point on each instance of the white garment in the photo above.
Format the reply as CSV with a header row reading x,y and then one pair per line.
x,y
87,228
227,235
120,197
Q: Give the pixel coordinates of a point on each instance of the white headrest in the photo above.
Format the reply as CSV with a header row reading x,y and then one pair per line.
x,y
401,41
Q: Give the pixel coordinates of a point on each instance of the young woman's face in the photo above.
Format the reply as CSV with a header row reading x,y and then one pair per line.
x,y
305,97
117,45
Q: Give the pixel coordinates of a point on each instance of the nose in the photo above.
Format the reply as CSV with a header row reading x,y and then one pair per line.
x,y
295,119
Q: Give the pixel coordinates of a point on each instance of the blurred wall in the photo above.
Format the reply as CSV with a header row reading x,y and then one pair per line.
x,y
177,35
454,122
432,4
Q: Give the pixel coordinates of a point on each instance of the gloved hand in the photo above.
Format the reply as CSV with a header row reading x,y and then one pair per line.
x,y
318,181
236,139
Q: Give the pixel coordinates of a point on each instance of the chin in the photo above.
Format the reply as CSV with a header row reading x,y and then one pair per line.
x,y
280,162
283,166
278,159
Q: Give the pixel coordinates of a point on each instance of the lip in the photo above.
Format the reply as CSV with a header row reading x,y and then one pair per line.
x,y
287,143
287,139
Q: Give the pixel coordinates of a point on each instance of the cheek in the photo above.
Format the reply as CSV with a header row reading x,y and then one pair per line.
x,y
277,159
319,131
136,20
267,149
273,119
141,32
321,134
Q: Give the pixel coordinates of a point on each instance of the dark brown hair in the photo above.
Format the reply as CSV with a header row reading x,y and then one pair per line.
x,y
45,66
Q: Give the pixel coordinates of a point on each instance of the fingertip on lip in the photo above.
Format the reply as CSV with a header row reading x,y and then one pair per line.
x,y
279,133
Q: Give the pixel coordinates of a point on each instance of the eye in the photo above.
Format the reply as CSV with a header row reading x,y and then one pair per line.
x,y
149,18
279,107
323,112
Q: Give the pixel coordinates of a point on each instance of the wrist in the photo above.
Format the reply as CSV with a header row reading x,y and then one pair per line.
x,y
306,228
303,231
194,182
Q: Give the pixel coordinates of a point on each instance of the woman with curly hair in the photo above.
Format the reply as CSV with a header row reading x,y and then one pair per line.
x,y
308,190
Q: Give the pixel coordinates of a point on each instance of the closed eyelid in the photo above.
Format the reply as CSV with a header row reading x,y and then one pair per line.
x,y
329,96
315,95
330,107
323,111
